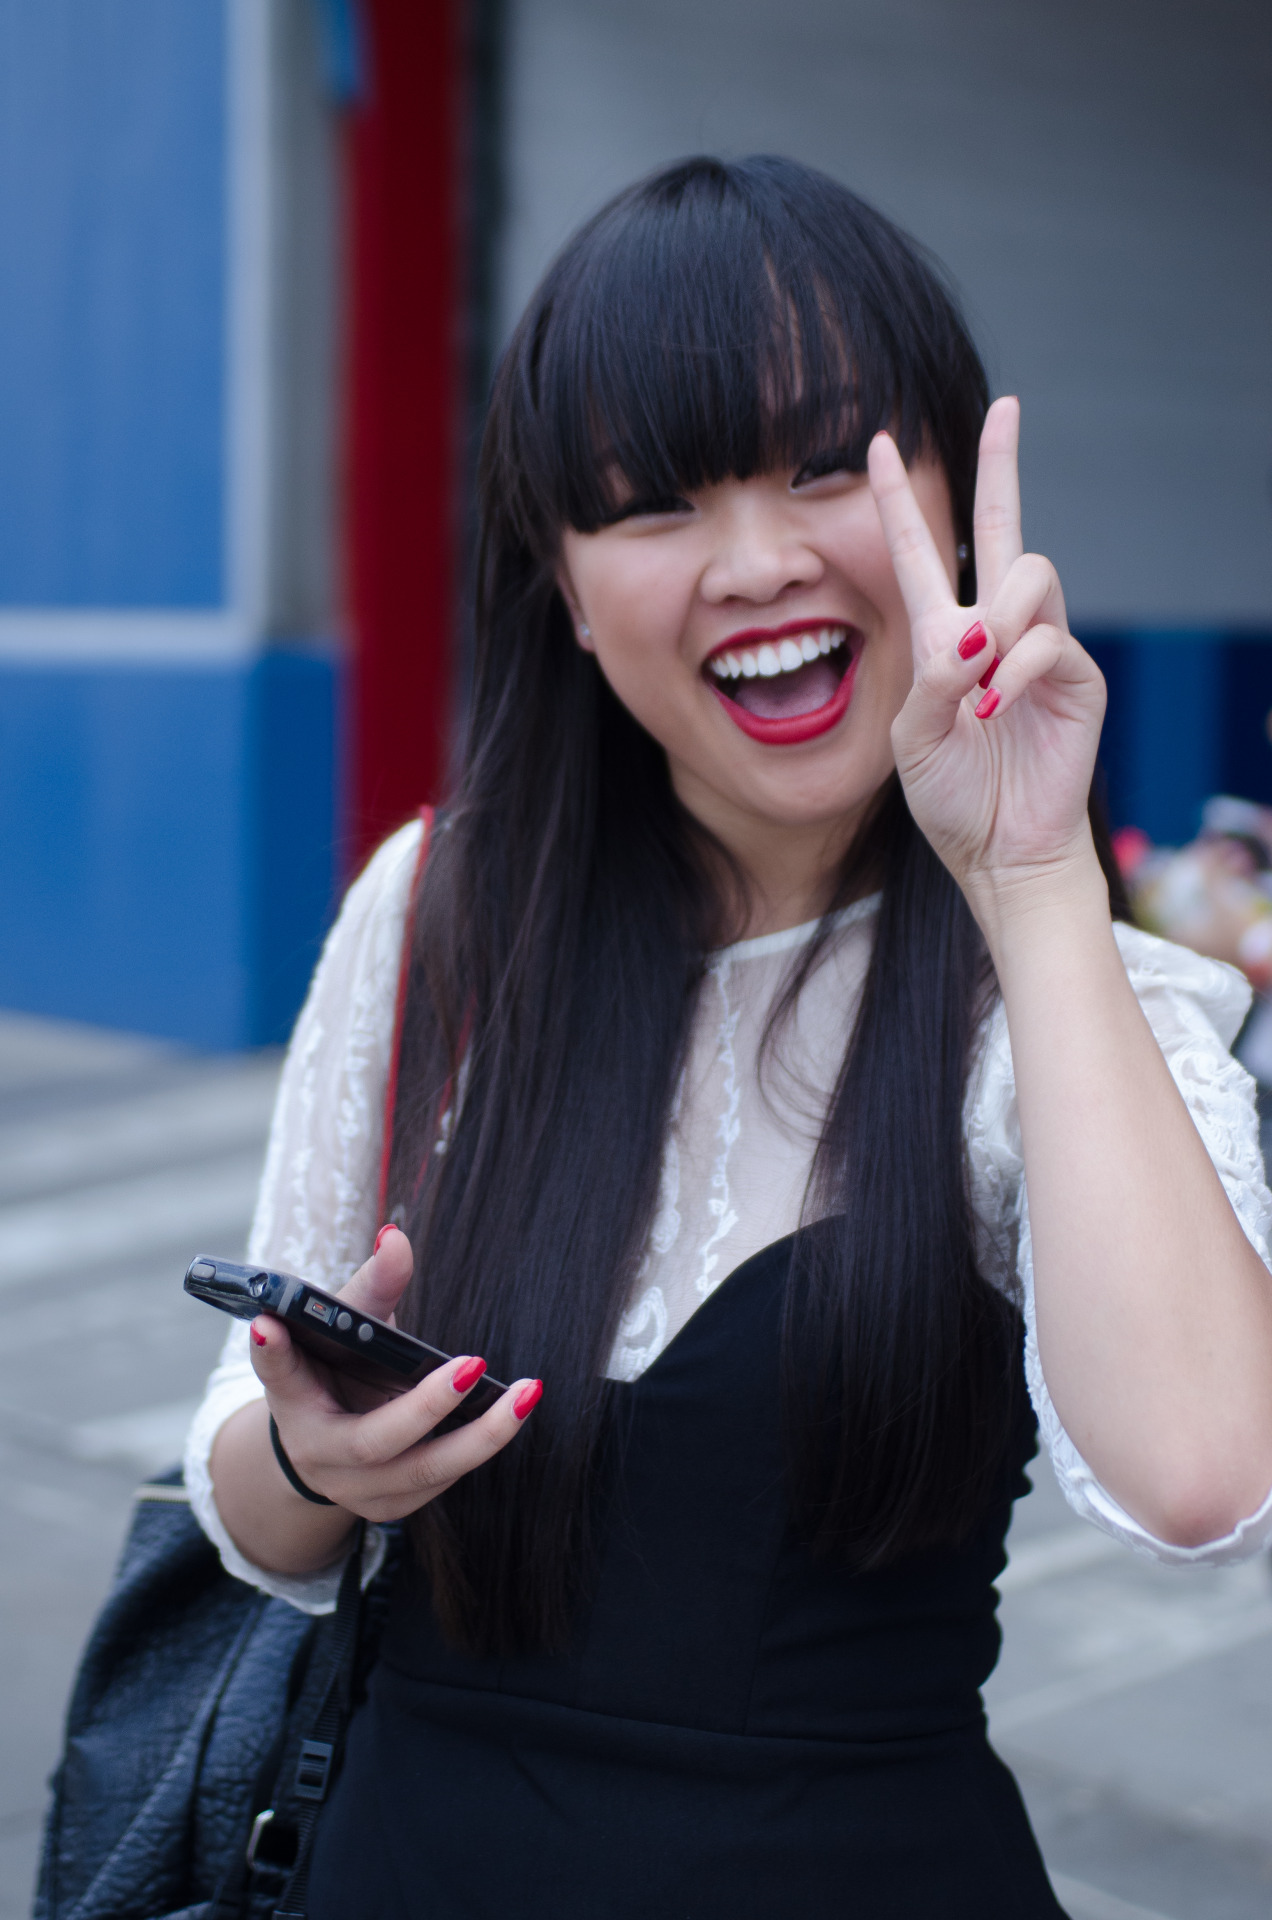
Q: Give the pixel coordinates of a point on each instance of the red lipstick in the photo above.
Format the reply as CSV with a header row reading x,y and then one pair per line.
x,y
792,729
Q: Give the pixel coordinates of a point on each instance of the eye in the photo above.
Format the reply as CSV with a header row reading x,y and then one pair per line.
x,y
835,465
648,507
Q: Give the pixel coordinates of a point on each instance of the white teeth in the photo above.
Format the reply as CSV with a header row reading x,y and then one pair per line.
x,y
786,657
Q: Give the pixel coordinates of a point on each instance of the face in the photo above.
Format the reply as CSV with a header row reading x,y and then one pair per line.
x,y
757,631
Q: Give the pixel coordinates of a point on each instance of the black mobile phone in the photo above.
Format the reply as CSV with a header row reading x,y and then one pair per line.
x,y
329,1329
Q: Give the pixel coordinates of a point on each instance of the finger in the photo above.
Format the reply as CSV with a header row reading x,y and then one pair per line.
x,y
380,1282
376,1437
437,1464
1029,593
925,585
940,687
289,1380
1045,652
335,1451
996,516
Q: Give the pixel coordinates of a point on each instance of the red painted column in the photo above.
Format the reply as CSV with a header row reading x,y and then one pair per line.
x,y
406,383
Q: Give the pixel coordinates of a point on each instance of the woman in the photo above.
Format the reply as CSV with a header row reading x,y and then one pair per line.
x,y
771,1069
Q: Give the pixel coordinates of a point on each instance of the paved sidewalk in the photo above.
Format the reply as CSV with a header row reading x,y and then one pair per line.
x,y
1135,1704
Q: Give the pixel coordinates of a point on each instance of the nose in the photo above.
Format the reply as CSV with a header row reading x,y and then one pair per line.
x,y
758,557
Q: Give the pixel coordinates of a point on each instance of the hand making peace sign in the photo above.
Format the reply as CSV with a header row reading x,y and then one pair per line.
x,y
998,785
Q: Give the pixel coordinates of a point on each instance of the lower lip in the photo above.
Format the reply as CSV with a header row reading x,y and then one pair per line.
x,y
800,726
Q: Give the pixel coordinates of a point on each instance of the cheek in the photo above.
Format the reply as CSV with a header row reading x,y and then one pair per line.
x,y
868,565
636,614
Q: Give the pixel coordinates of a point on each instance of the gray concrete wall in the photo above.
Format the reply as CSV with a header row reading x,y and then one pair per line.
x,y
1097,174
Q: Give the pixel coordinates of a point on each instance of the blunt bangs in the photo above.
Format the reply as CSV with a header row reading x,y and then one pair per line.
x,y
723,320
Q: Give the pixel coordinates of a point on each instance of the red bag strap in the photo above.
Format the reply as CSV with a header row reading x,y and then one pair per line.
x,y
428,816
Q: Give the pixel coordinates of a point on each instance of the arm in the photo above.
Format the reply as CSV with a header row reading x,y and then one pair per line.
x,y
315,1216
1154,1312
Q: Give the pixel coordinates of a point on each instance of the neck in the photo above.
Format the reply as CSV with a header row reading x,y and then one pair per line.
x,y
789,870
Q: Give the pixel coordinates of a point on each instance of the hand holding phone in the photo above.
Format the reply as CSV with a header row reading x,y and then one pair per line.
x,y
358,1346
377,1443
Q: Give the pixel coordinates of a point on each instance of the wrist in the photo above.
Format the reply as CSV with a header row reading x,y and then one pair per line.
x,y
289,1472
1015,907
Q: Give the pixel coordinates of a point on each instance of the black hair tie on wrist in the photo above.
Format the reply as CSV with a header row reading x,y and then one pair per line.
x,y
293,1478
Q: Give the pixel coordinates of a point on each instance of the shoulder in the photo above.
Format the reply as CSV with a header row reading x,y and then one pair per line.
x,y
383,888
361,953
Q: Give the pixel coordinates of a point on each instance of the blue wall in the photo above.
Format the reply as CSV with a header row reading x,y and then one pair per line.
x,y
1186,718
167,837
167,827
112,302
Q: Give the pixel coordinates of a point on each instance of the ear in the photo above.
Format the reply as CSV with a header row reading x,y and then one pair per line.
x,y
582,632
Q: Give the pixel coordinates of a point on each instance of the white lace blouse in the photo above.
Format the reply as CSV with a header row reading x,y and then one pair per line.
x,y
735,1162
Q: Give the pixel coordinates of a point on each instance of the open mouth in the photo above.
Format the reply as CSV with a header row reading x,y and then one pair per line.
x,y
785,686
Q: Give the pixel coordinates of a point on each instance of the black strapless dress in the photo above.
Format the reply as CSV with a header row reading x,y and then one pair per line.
x,y
740,1732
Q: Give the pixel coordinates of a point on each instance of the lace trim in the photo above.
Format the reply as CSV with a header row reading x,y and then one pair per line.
x,y
788,937
726,1131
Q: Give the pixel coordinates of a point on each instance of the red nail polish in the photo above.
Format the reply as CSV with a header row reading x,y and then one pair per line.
x,y
972,642
390,1228
988,674
988,704
468,1375
528,1399
258,1338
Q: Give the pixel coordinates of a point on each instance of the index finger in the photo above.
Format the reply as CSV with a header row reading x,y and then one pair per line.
x,y
996,515
925,585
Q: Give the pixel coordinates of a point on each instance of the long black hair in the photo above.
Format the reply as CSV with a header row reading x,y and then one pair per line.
x,y
713,320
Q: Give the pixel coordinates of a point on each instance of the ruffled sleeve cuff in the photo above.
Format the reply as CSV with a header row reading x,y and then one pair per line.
x,y
1091,1501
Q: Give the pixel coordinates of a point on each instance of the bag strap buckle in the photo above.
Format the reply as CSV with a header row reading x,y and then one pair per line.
x,y
313,1769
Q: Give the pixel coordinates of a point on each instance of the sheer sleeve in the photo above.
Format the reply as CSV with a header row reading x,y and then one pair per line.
x,y
315,1213
1195,1007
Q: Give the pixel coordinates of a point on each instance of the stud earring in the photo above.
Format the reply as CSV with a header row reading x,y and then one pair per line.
x,y
962,553
585,633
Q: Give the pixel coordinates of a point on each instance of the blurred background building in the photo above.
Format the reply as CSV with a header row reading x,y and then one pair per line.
x,y
255,259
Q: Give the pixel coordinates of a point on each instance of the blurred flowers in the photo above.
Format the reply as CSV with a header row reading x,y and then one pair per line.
x,y
1214,895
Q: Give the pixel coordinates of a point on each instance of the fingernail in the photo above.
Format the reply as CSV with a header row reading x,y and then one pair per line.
x,y
258,1338
988,704
528,1399
988,674
390,1228
972,642
468,1375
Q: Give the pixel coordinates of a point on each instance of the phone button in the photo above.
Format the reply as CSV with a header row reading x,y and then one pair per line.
x,y
366,1332
344,1321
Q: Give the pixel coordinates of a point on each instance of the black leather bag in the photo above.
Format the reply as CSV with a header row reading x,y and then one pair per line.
x,y
204,1732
